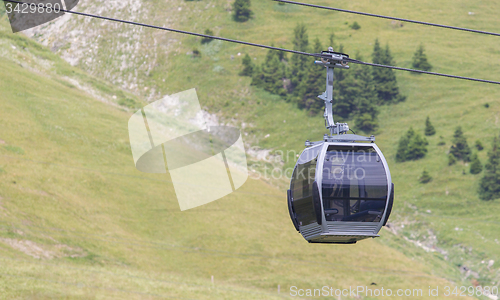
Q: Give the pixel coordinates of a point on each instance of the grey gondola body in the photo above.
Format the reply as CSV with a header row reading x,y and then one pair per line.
x,y
309,195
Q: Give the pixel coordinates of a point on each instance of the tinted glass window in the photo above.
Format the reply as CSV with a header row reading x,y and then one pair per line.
x,y
301,186
354,185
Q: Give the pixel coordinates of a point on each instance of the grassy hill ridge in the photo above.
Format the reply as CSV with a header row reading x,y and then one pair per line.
x,y
78,221
444,216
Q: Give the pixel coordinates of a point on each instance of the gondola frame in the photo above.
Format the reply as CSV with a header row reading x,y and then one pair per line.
x,y
343,232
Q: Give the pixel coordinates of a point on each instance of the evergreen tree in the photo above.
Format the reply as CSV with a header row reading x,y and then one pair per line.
x,y
345,92
425,178
365,108
386,84
460,149
429,129
355,26
417,148
241,10
411,146
312,85
257,76
489,186
475,166
420,60
271,74
299,63
248,66
403,145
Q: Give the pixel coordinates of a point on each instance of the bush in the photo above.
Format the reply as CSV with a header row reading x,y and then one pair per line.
x,y
206,40
425,178
355,26
196,53
441,141
241,10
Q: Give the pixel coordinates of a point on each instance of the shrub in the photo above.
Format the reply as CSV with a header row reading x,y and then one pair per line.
x,y
241,10
196,53
355,26
206,40
425,178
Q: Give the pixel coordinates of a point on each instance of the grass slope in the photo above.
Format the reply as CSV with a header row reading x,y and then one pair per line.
x,y
79,222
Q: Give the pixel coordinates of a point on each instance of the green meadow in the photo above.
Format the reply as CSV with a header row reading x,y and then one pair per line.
x,y
78,221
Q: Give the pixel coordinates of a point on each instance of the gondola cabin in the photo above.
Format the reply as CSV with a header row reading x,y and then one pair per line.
x,y
340,192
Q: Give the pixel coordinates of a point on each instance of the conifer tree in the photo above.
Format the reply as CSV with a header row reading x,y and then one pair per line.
x,y
345,92
256,76
420,60
429,129
355,26
403,145
365,108
460,149
425,178
248,66
417,148
489,186
241,10
411,146
271,74
386,84
475,165
299,62
312,85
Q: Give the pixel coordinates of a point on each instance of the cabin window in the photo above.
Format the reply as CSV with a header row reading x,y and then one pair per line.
x,y
302,186
354,185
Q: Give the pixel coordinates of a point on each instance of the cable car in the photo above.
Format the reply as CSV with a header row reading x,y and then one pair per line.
x,y
341,189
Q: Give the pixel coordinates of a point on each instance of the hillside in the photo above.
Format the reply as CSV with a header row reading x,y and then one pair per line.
x,y
78,221
76,192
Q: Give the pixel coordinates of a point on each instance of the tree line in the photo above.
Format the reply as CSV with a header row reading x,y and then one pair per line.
x,y
412,146
357,91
